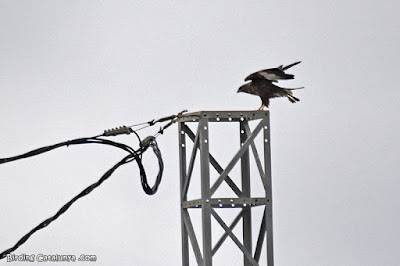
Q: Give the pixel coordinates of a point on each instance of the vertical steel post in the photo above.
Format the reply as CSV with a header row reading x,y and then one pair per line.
x,y
245,169
182,162
268,191
205,191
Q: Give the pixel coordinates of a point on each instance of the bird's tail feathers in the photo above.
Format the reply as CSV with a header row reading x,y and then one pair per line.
x,y
289,66
293,99
292,89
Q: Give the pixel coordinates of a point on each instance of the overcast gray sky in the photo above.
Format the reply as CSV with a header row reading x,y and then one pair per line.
x,y
71,69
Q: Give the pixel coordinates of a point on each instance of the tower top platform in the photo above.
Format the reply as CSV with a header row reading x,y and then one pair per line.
x,y
223,116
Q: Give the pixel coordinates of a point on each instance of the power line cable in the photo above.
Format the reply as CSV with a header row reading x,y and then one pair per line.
x,y
134,155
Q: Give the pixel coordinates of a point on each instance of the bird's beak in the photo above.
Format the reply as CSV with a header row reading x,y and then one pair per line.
x,y
239,90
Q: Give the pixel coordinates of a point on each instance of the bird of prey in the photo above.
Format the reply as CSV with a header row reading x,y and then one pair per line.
x,y
262,85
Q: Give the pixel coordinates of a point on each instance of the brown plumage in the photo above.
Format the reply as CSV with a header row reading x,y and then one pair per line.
x,y
272,74
262,85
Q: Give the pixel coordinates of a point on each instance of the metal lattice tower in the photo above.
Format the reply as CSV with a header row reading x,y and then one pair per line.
x,y
243,199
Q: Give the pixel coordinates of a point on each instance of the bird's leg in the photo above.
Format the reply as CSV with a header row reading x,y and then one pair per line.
x,y
261,108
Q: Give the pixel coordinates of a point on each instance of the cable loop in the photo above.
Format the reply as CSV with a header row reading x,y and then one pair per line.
x,y
145,185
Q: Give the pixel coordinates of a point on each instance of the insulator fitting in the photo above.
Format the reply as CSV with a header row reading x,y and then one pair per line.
x,y
117,131
147,142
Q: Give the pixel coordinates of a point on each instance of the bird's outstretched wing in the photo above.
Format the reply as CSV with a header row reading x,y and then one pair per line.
x,y
272,74
291,65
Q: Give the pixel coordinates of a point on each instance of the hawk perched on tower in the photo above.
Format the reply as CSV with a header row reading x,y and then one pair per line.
x,y
261,84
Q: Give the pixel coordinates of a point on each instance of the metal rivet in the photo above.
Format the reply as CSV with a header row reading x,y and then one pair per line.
x,y
205,128
230,118
218,119
182,132
242,131
205,141
183,145
265,127
266,140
